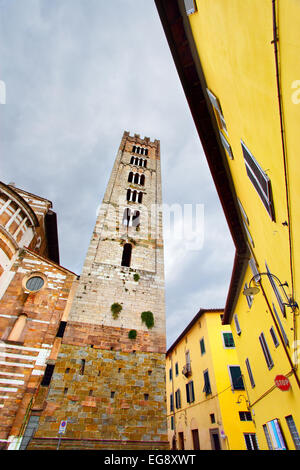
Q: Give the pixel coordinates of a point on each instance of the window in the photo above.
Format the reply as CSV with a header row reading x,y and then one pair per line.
x,y
249,298
35,283
140,198
268,438
293,430
218,110
228,340
126,217
171,402
202,346
176,368
170,374
266,351
130,177
212,418
177,399
136,219
61,329
237,325
275,436
259,179
285,339
172,423
276,291
47,375
251,442
236,378
250,373
207,387
274,337
245,416
190,6
142,180
190,396
226,145
126,257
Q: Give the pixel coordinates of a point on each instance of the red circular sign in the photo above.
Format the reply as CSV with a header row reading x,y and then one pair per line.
x,y
282,382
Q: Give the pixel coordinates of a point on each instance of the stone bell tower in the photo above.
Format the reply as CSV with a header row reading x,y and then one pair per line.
x,y
108,381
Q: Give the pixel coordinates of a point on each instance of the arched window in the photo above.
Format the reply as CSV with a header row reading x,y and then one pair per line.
x,y
145,163
126,257
134,195
142,180
141,162
136,219
140,198
136,161
133,148
126,217
146,152
128,194
132,160
136,178
130,177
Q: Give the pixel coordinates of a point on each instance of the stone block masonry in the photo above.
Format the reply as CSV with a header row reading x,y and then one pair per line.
x,y
109,385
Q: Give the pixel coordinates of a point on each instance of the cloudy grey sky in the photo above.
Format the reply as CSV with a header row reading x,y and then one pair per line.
x,y
78,73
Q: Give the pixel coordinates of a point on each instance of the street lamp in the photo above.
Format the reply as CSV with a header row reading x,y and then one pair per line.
x,y
253,290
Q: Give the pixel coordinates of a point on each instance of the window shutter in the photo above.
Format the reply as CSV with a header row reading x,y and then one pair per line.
x,y
266,351
189,6
236,378
228,340
259,179
276,292
237,325
250,373
187,393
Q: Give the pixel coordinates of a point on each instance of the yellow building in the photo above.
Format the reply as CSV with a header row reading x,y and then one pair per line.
x,y
207,402
238,61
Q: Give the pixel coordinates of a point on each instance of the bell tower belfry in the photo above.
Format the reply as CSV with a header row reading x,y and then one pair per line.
x,y
108,380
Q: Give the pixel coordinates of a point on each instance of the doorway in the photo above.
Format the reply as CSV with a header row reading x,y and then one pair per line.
x,y
215,439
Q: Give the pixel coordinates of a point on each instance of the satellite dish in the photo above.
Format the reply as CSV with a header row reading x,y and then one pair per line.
x,y
251,291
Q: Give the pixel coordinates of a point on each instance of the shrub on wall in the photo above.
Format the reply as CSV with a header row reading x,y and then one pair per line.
x,y
136,277
148,319
116,309
132,334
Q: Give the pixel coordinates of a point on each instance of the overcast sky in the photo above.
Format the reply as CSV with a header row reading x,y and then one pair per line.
x,y
78,73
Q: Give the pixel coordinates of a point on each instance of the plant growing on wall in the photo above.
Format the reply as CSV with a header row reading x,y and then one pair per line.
x,y
115,310
132,334
136,277
148,319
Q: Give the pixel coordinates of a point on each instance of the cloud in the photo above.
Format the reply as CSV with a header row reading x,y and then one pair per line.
x,y
77,75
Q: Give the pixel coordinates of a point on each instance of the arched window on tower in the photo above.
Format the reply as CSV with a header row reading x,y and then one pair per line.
x,y
132,161
145,163
128,194
134,195
142,180
146,153
126,257
126,217
136,161
130,177
136,219
133,148
136,178
140,198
